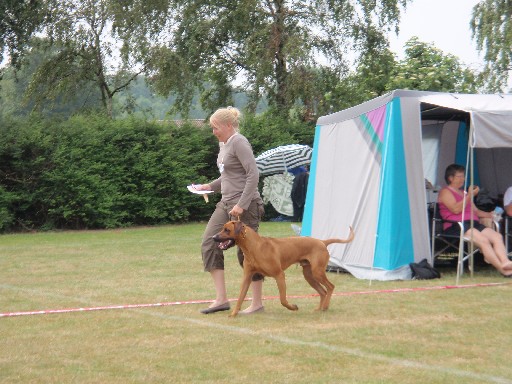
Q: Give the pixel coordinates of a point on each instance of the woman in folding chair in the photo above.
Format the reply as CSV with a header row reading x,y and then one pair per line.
x,y
451,201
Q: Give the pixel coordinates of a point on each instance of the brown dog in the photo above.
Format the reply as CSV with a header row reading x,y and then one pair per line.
x,y
271,256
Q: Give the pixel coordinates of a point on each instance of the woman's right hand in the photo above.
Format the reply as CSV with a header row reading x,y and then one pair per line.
x,y
473,190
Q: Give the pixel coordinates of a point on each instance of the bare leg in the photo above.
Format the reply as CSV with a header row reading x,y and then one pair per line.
x,y
220,287
491,245
257,301
499,248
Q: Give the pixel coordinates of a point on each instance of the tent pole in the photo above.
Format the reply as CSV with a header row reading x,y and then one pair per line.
x,y
471,145
469,168
472,182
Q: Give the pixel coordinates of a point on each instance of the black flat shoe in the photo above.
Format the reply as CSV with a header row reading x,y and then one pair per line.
x,y
218,308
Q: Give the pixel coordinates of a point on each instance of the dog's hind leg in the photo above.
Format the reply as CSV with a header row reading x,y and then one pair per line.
x,y
308,275
281,285
318,274
329,288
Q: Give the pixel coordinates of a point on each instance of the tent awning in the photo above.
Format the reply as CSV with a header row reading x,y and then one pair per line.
x,y
490,114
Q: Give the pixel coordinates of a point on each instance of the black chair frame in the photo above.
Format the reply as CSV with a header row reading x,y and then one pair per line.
x,y
508,234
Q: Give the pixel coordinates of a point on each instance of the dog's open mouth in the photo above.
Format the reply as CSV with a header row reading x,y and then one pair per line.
x,y
226,244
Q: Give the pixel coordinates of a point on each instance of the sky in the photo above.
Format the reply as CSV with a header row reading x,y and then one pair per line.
x,y
445,24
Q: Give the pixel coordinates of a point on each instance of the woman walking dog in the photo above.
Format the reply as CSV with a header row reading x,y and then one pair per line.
x,y
238,184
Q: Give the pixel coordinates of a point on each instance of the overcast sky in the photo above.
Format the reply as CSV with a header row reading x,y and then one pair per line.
x,y
445,23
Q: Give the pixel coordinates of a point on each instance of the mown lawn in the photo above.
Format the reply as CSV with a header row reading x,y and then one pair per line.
x,y
403,336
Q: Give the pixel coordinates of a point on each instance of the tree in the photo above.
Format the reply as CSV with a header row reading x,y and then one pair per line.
x,y
15,82
427,68
424,68
275,46
104,42
376,66
18,21
491,24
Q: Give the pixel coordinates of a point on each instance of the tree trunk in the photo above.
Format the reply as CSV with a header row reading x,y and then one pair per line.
x,y
279,40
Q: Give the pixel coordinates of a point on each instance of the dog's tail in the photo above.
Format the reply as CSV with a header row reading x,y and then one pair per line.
x,y
332,241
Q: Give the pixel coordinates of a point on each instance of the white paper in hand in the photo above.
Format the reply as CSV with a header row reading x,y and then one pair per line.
x,y
192,189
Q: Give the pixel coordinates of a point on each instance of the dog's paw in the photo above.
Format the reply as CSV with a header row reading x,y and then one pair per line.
x,y
294,307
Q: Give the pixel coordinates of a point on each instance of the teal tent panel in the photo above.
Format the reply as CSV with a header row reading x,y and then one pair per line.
x,y
461,146
307,218
461,152
394,244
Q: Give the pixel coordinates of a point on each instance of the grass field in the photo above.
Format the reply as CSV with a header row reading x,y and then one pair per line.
x,y
408,336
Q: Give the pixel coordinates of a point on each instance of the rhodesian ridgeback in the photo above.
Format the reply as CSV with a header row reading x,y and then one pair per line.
x,y
272,256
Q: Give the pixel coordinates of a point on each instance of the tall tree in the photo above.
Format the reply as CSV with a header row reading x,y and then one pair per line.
x,y
271,47
15,82
18,21
427,68
104,42
491,24
375,67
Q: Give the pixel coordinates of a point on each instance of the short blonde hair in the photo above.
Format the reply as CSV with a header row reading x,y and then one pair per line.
x,y
229,115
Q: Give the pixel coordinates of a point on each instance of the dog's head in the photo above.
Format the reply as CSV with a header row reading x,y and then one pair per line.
x,y
229,234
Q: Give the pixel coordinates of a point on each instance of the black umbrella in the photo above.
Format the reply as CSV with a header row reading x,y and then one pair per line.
x,y
283,158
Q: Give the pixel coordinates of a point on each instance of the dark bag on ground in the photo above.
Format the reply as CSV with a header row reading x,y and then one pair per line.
x,y
424,271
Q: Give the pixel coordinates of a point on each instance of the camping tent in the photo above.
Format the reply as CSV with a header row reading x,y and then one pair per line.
x,y
369,168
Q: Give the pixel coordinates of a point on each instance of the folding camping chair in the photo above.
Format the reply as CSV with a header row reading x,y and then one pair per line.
x,y
508,234
447,245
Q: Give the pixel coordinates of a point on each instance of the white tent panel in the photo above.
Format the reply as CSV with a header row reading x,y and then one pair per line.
x,y
340,165
464,102
492,129
415,178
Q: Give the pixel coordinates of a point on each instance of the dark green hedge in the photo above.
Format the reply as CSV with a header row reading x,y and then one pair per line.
x,y
93,172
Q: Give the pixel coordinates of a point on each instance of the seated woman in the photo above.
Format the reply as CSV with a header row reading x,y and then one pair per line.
x,y
451,202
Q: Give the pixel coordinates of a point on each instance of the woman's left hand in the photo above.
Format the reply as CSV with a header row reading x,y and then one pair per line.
x,y
484,215
236,211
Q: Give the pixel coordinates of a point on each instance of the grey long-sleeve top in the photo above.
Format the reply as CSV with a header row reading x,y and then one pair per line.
x,y
239,174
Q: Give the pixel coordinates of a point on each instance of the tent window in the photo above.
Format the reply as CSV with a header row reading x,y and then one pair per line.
x,y
430,145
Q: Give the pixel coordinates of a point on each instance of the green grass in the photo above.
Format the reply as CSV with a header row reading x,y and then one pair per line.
x,y
421,336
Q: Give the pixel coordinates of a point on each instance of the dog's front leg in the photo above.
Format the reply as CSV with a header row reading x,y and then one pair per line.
x,y
243,292
281,285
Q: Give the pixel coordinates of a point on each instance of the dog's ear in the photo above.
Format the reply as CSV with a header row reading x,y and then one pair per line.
x,y
238,227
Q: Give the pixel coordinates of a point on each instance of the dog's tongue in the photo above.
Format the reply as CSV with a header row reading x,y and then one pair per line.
x,y
225,244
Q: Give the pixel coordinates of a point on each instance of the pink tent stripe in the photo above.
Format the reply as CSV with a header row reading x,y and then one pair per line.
x,y
377,118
